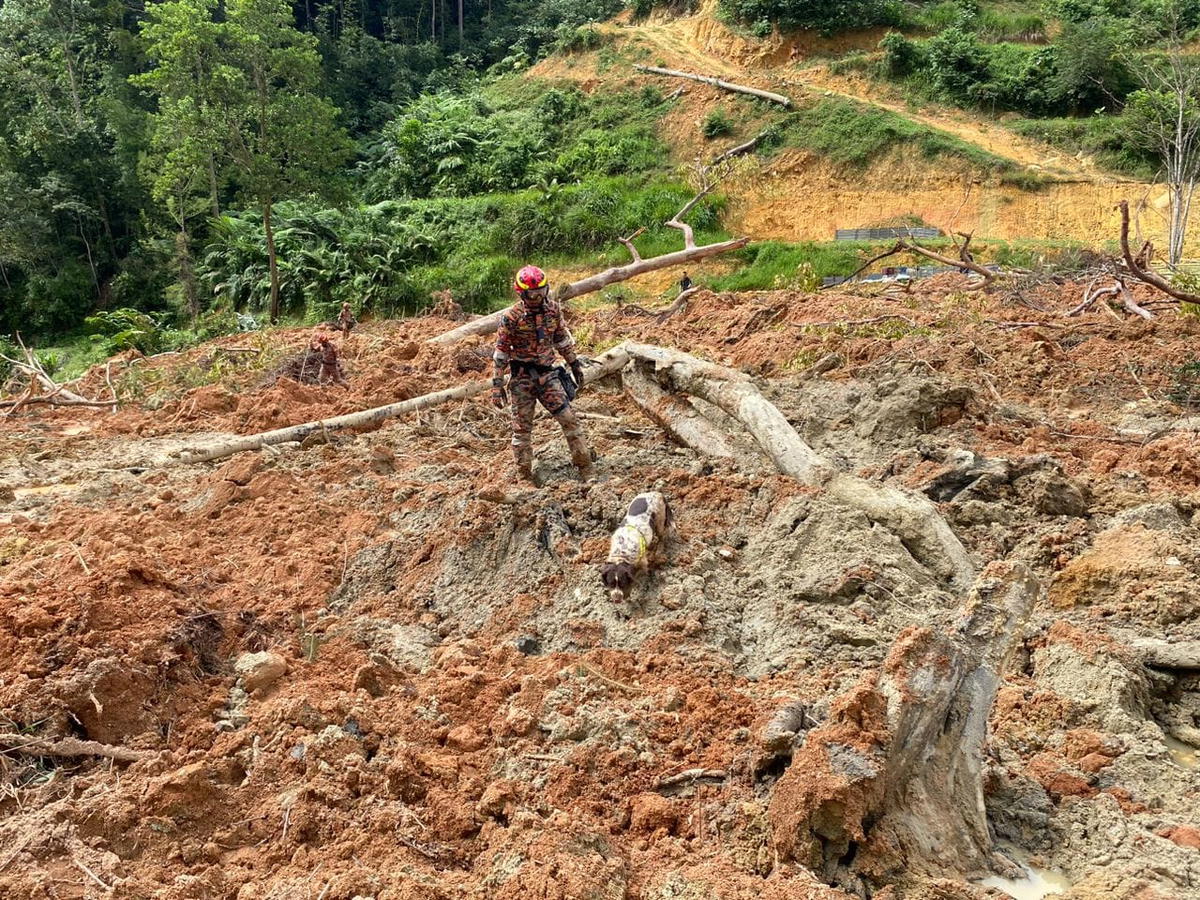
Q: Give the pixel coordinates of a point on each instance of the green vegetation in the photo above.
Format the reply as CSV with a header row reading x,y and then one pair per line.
x,y
826,16
138,144
387,257
854,134
716,124
775,265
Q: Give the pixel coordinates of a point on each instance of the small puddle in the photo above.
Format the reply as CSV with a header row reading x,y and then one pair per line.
x,y
40,489
1183,755
1036,883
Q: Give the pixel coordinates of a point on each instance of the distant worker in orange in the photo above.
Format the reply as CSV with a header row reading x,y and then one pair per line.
x,y
346,320
331,365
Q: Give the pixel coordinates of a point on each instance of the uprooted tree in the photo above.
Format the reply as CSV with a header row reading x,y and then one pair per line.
x,y
890,786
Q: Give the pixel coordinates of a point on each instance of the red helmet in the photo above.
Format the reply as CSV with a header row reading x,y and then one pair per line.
x,y
528,278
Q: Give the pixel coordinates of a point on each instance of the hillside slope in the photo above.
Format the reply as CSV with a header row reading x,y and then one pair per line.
x,y
1027,191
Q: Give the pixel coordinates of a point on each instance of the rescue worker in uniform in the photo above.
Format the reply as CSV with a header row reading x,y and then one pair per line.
x,y
530,335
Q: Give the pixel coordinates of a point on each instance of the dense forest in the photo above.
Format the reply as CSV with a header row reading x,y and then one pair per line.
x,y
179,162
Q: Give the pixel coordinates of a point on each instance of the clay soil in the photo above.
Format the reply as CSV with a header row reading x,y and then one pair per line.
x,y
465,713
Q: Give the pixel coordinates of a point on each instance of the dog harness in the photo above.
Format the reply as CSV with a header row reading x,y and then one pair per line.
x,y
628,545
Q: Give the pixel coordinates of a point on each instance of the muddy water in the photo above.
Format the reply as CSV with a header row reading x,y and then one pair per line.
x,y
1036,884
1183,755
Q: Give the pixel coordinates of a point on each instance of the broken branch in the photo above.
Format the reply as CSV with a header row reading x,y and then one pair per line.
x,y
1141,273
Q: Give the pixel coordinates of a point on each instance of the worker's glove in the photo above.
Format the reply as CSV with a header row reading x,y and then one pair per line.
x,y
577,374
499,395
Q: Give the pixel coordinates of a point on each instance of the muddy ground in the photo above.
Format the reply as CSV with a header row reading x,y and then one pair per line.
x,y
446,703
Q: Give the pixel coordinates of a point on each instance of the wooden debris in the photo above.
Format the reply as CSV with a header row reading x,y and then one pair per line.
x,y
719,83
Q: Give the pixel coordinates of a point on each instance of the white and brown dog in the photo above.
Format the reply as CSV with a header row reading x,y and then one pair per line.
x,y
643,534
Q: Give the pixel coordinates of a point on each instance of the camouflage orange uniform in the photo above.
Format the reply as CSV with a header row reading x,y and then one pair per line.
x,y
527,342
331,366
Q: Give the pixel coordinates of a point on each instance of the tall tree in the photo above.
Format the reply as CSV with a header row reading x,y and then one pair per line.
x,y
67,200
183,42
282,135
1164,117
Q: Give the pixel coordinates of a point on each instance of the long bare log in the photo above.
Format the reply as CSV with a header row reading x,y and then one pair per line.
x,y
892,782
675,415
1164,655
489,323
914,519
54,400
606,364
717,82
69,747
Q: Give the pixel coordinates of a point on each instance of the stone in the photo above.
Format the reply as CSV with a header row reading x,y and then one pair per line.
x,y
259,671
652,813
1183,835
528,645
465,738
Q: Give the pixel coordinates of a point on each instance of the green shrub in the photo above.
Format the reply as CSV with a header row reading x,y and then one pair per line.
x,y
125,329
901,57
716,124
827,16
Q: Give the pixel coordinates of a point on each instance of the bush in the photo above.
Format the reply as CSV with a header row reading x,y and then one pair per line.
x,y
901,57
716,124
1090,67
826,16
578,39
127,329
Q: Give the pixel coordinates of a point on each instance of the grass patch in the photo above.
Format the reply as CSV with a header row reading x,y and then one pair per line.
x,y
1101,137
776,265
855,134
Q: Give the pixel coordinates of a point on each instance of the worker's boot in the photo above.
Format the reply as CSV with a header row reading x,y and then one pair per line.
x,y
524,460
581,454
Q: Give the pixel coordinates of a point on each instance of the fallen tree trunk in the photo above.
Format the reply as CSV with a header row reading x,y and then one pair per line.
x,y
915,520
1140,272
606,364
717,82
489,323
675,415
1164,655
69,747
891,785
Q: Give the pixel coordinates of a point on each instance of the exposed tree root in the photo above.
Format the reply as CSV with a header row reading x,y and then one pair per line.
x,y
891,785
69,747
1138,265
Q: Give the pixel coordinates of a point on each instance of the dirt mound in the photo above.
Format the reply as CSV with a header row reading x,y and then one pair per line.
x,y
454,707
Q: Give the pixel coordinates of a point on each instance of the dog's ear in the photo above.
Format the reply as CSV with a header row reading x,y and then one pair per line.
x,y
624,577
607,576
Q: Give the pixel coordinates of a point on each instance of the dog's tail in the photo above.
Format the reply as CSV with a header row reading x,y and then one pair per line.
x,y
670,515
